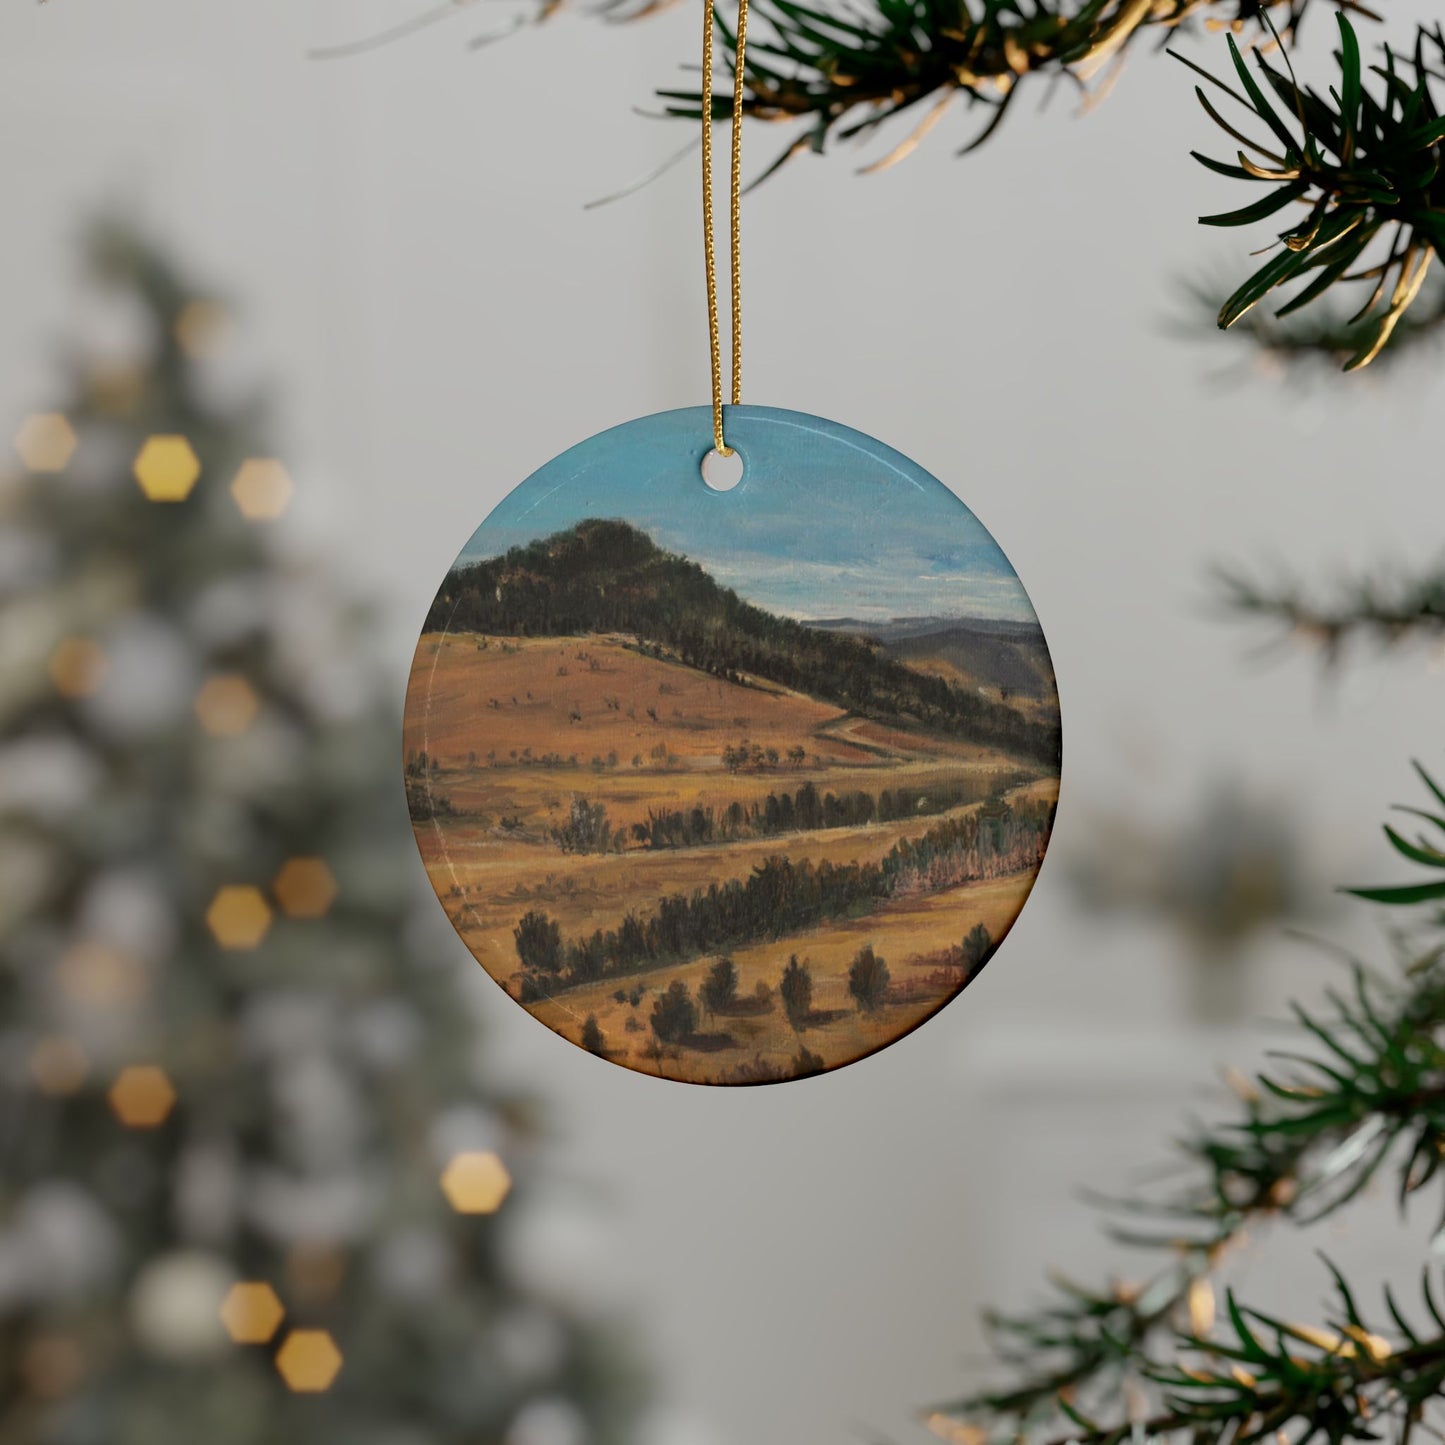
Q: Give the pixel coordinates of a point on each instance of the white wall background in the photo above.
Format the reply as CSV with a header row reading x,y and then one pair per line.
x,y
440,316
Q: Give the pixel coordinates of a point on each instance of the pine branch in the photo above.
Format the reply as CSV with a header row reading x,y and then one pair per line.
x,y
843,71
1148,1371
1422,849
1364,162
1389,611
1323,338
1345,1384
1363,159
1364,1092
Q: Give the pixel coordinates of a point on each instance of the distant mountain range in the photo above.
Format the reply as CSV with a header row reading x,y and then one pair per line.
x,y
897,629
1009,656
608,576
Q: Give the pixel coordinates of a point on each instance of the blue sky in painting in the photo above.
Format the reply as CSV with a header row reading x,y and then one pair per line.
x,y
821,526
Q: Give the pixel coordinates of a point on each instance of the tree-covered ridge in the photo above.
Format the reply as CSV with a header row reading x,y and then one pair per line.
x,y
607,576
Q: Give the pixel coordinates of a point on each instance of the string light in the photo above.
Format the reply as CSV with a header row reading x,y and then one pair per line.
x,y
239,917
262,489
77,667
46,442
226,705
476,1182
58,1065
252,1313
202,329
308,1361
142,1096
166,468
305,888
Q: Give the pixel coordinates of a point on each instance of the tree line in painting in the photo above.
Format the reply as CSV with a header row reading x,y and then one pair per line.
x,y
587,828
607,576
781,897
806,810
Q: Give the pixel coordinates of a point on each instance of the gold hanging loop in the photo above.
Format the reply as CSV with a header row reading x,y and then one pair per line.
x,y
735,220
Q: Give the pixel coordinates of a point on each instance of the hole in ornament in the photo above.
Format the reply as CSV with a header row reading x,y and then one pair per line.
x,y
722,473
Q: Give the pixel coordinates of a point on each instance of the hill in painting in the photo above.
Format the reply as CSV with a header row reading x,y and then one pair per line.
x,y
606,576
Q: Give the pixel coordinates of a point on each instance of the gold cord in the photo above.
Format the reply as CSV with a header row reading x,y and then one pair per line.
x,y
735,220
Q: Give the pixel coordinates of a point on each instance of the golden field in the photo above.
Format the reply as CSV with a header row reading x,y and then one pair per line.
x,y
513,729
906,932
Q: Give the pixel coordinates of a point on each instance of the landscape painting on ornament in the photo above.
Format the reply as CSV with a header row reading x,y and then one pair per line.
x,y
731,794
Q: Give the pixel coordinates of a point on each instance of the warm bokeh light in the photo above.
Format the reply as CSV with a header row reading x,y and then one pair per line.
x,y
202,329
1201,1306
58,1065
142,1096
95,974
166,468
476,1182
226,705
308,1361
45,441
239,916
305,888
77,666
262,489
252,1312
315,1271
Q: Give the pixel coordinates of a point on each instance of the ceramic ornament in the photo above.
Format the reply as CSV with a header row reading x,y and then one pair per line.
x,y
732,787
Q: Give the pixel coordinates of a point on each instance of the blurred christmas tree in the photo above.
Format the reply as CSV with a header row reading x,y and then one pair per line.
x,y
254,1188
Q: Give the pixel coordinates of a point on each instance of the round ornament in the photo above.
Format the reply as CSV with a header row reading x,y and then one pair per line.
x,y
735,786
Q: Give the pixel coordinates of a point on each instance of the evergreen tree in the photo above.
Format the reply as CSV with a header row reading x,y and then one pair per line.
x,y
254,1186
539,942
977,947
593,1039
719,989
868,980
796,988
674,1015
